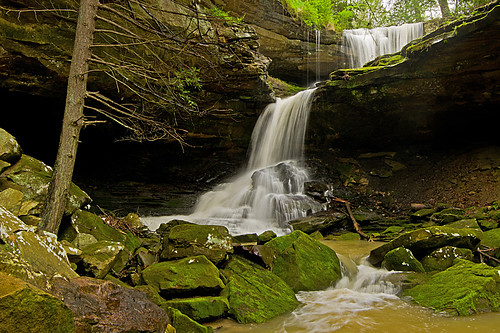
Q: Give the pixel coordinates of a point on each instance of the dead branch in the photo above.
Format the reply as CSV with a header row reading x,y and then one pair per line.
x,y
353,219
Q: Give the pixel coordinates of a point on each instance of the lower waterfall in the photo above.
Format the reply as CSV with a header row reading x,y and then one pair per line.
x,y
269,192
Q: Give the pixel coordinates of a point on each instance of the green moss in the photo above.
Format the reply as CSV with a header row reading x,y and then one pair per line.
x,y
465,288
491,238
401,259
349,236
255,294
89,223
201,309
183,323
302,262
443,258
192,276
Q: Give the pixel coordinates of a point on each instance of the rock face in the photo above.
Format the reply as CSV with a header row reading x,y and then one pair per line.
x,y
288,42
25,308
439,87
464,289
103,306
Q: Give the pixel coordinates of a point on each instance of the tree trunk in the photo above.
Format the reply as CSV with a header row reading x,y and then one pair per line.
x,y
445,9
73,118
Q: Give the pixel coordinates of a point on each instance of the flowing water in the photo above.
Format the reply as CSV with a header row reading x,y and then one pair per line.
x,y
269,192
364,300
364,45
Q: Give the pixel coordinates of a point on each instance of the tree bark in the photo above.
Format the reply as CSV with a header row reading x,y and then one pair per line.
x,y
445,9
73,118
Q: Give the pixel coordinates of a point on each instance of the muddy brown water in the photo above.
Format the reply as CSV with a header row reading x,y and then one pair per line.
x,y
365,302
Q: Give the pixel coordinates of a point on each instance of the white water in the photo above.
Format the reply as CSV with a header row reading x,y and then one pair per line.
x,y
269,192
364,45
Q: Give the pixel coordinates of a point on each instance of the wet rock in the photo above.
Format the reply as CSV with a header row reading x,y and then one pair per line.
x,y
187,240
25,308
443,258
189,276
466,223
103,306
320,222
200,309
401,259
423,214
42,251
4,166
448,215
10,151
463,289
302,262
183,323
83,239
247,238
255,294
423,241
99,257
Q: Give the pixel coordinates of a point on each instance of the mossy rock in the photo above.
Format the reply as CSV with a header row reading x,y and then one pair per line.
x,y
201,309
88,223
194,276
183,323
491,239
465,223
488,224
422,214
463,289
348,236
448,215
25,308
32,177
187,240
311,224
401,259
10,151
266,236
99,257
443,258
255,295
423,241
302,262
246,238
4,166
11,199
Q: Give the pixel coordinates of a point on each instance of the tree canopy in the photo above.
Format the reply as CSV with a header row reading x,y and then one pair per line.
x,y
351,14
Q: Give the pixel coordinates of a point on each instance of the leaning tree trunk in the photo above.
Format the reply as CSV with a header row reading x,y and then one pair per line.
x,y
445,9
73,118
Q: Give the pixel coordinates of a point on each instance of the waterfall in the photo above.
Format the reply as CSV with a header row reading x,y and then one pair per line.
x,y
269,192
364,45
318,49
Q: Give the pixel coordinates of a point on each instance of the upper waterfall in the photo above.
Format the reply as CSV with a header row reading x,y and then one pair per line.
x,y
364,45
269,192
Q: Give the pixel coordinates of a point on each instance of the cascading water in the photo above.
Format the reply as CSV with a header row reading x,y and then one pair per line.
x,y
364,45
270,190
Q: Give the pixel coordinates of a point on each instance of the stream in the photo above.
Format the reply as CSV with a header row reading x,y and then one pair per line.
x,y
362,302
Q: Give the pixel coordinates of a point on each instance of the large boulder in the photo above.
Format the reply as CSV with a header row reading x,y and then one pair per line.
x,y
189,276
464,289
41,250
423,241
10,151
302,262
188,240
401,259
32,177
443,258
25,308
98,258
183,323
200,309
255,294
103,306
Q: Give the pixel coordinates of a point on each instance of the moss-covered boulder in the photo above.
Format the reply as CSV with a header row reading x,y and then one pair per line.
x,y
11,199
41,250
266,236
255,294
465,223
187,240
99,257
32,177
84,222
401,259
25,308
423,241
183,323
319,222
189,276
10,151
491,239
465,288
443,258
302,262
201,309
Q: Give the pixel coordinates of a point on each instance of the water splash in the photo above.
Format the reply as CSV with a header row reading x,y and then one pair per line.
x,y
269,192
364,45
